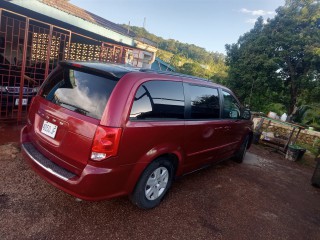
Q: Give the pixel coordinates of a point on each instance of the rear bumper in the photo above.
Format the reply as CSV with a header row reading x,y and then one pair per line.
x,y
93,184
43,162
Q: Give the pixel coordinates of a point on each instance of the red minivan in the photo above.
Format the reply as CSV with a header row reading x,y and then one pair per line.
x,y
99,131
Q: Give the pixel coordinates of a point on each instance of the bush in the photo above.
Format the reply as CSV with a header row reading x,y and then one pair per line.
x,y
308,115
278,108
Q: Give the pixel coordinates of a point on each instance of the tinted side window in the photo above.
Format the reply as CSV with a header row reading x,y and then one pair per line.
x,y
204,102
80,92
158,99
231,107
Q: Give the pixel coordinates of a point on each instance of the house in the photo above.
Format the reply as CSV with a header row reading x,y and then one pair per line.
x,y
160,65
36,34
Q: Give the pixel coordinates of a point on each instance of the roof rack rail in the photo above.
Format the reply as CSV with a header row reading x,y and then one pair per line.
x,y
172,74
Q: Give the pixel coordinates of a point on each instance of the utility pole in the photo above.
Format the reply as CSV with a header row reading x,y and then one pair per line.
x,y
129,27
144,22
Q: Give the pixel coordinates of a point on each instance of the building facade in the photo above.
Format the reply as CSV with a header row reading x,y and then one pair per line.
x,y
36,34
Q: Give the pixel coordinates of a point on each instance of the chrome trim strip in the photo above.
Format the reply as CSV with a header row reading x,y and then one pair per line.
x,y
44,167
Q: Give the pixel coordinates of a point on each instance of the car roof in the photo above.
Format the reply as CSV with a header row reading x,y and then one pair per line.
x,y
117,71
112,70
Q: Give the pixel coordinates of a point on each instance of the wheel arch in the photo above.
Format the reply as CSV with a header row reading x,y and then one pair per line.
x,y
140,167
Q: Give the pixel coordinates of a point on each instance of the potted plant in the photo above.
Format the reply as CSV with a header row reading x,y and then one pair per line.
x,y
295,152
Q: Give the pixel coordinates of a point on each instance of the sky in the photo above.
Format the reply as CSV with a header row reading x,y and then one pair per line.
x,y
206,23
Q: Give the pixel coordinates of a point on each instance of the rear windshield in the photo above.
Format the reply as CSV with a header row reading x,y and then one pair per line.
x,y
81,92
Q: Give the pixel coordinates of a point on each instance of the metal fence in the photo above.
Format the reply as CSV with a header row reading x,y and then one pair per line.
x,y
30,50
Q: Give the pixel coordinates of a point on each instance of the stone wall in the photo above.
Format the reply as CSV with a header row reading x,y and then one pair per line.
x,y
309,137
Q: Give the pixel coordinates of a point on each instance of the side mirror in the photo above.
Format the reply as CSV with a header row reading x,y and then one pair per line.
x,y
246,114
234,114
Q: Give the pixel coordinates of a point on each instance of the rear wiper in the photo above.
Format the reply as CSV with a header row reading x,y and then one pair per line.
x,y
71,107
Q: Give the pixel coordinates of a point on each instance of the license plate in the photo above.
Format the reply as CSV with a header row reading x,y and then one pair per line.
x,y
49,129
24,101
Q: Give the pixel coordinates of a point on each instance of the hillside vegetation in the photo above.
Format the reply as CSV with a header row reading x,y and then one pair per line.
x,y
187,58
273,67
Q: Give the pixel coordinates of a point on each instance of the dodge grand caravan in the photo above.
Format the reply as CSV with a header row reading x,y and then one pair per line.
x,y
99,131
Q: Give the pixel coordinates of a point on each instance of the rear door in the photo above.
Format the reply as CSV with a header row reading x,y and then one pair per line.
x,y
205,137
66,113
156,123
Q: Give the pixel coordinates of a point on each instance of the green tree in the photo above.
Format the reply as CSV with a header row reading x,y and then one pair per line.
x,y
186,50
194,60
278,61
252,70
295,39
194,69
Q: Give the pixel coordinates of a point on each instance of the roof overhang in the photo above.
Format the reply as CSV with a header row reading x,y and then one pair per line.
x,y
57,14
145,46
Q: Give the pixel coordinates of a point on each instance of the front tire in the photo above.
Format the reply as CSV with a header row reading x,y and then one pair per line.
x,y
153,184
242,151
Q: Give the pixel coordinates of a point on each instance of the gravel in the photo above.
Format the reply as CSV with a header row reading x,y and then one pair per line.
x,y
266,197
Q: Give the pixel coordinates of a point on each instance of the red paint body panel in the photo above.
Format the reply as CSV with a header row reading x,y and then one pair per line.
x,y
193,143
92,184
72,144
206,142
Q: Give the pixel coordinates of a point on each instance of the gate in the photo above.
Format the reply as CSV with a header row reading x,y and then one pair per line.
x,y
30,50
115,54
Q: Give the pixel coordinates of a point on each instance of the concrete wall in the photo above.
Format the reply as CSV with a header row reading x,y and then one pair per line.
x,y
306,136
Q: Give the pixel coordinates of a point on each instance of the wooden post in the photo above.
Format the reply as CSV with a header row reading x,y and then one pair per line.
x,y
296,138
289,139
259,126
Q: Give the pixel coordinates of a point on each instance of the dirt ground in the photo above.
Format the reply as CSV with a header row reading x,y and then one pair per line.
x,y
266,197
9,132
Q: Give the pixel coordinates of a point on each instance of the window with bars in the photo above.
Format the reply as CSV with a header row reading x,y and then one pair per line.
x,y
40,42
82,52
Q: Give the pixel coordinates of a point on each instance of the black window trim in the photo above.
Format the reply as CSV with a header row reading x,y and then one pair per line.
x,y
222,104
188,102
158,119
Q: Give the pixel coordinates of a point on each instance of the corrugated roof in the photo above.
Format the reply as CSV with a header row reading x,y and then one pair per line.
x,y
65,6
165,63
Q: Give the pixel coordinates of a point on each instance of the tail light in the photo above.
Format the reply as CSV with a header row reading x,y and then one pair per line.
x,y
105,143
30,114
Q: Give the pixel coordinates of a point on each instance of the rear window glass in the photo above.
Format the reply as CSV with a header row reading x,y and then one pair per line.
x,y
158,100
81,92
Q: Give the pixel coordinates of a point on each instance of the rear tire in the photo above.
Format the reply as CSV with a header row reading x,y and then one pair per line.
x,y
153,184
242,151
